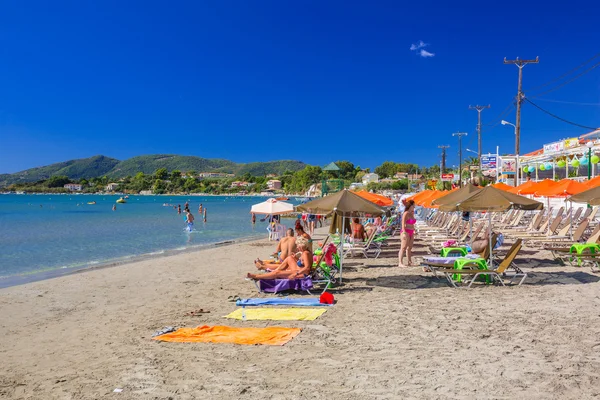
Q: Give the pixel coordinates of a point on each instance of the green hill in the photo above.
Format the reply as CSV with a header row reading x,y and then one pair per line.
x,y
100,165
150,163
74,169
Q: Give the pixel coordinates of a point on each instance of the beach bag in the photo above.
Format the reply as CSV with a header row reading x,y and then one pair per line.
x,y
449,243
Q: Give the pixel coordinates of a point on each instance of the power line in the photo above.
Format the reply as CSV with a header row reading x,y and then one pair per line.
x,y
566,102
563,75
557,117
501,116
570,80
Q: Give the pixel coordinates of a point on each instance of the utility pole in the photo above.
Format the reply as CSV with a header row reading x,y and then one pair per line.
x,y
460,135
520,64
479,110
443,166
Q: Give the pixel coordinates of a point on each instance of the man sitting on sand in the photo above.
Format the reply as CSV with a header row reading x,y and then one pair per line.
x,y
291,267
285,248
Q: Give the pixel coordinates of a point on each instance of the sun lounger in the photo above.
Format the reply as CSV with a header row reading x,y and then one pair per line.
x,y
498,275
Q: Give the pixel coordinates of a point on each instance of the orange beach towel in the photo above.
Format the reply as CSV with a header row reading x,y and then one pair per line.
x,y
274,335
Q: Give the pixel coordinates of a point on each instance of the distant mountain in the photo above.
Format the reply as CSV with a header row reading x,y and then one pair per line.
x,y
100,165
74,169
150,163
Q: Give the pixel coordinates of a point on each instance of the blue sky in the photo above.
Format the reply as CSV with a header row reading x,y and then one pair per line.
x,y
313,81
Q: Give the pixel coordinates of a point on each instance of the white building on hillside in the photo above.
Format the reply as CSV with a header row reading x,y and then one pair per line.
x,y
74,187
369,178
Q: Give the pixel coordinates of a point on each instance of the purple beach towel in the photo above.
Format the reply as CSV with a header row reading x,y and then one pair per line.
x,y
279,285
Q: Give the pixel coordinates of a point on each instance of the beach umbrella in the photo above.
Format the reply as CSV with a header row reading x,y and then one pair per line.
x,y
593,182
489,199
522,186
344,204
272,207
375,198
416,197
502,186
544,185
563,188
590,196
428,202
455,196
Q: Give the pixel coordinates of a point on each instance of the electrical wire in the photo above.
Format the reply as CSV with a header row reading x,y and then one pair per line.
x,y
563,75
566,102
569,81
500,116
559,118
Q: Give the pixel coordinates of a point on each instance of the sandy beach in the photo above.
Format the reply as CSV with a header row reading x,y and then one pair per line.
x,y
394,333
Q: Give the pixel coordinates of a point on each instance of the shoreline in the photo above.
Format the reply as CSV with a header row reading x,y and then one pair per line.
x,y
51,273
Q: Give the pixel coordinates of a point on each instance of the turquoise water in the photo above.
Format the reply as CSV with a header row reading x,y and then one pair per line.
x,y
49,232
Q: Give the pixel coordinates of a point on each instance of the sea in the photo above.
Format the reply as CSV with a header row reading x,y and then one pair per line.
x,y
48,235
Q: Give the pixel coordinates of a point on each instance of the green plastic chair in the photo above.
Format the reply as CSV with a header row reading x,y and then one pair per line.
x,y
453,251
581,248
461,262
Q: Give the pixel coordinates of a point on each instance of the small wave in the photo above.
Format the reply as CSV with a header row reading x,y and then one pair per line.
x,y
154,253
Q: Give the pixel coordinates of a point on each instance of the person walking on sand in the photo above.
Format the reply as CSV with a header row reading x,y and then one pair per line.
x,y
190,221
408,234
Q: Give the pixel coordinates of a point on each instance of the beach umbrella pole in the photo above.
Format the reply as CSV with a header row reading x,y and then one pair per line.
x,y
571,224
342,245
490,236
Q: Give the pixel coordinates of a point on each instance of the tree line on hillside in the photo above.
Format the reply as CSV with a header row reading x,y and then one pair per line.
x,y
163,181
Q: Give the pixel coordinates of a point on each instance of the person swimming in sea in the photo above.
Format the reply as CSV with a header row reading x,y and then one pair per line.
x,y
114,207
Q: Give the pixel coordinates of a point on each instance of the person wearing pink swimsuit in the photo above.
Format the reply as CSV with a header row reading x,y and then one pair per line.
x,y
408,234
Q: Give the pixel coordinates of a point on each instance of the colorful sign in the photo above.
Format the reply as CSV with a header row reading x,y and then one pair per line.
x,y
572,142
509,165
488,162
447,177
554,147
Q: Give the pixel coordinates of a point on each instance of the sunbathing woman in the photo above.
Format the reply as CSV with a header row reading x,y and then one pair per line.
x,y
291,268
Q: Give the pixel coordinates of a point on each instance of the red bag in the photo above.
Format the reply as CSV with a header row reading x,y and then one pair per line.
x,y
326,298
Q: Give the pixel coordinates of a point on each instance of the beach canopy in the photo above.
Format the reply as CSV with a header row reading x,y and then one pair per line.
x,y
457,195
491,199
566,187
502,186
375,198
592,183
428,202
420,195
535,187
522,187
590,196
344,203
272,207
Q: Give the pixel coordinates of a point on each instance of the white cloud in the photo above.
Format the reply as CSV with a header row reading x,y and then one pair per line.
x,y
426,54
417,46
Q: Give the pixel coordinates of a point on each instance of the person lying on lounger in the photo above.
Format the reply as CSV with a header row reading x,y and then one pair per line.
x,y
291,267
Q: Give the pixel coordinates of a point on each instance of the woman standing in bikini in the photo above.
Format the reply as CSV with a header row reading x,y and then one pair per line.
x,y
408,233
